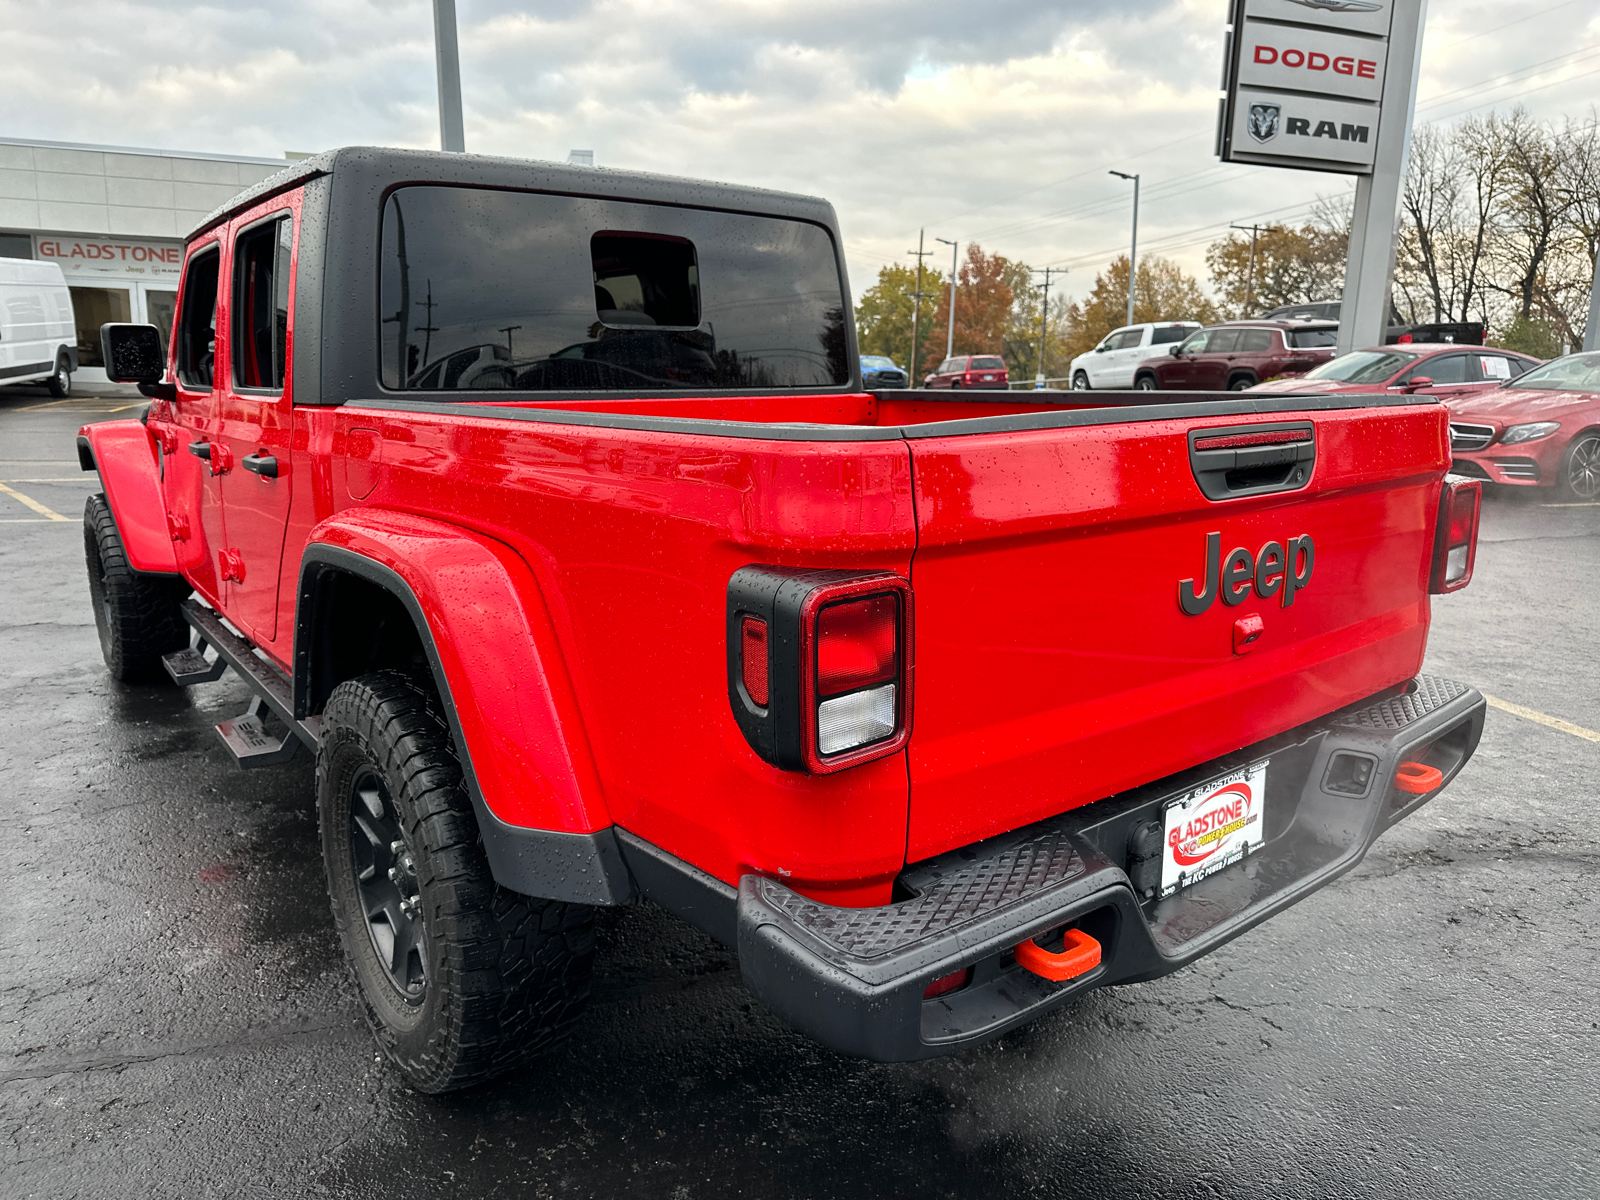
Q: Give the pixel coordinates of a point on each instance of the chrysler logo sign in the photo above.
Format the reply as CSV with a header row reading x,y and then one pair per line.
x,y
1341,6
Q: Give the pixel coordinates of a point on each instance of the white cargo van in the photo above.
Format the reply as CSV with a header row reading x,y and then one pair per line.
x,y
38,336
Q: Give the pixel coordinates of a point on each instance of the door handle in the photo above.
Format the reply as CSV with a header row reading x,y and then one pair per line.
x,y
201,450
263,465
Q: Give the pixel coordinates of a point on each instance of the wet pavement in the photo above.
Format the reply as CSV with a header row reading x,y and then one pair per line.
x,y
175,1019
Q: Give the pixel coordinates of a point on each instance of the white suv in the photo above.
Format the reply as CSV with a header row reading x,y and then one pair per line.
x,y
1111,364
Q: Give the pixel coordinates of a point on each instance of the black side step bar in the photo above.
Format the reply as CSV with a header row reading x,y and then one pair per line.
x,y
245,736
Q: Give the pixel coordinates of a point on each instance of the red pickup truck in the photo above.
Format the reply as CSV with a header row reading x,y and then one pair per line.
x,y
544,506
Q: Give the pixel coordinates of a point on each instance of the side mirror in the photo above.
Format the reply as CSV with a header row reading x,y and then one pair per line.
x,y
1418,381
134,354
1177,346
1099,349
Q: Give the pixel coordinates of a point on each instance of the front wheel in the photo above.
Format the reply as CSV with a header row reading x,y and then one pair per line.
x,y
138,617
60,381
1145,383
1580,467
460,979
1080,381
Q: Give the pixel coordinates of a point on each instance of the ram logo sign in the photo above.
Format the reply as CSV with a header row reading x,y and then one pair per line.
x,y
1264,121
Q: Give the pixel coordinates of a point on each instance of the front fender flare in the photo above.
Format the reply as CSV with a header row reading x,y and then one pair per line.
x,y
483,624
125,457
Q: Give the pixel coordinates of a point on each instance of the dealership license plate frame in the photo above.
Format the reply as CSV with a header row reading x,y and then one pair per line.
x,y
1213,826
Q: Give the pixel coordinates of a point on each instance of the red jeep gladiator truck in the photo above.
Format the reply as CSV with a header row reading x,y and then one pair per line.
x,y
544,506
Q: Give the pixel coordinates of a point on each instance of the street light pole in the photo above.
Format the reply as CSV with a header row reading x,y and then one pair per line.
x,y
452,138
950,338
1133,247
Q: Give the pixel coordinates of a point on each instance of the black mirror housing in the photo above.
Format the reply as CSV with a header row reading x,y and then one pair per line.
x,y
1175,349
132,353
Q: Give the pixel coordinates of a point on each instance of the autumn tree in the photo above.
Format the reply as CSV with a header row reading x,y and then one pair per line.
x,y
1286,266
1162,292
984,294
883,314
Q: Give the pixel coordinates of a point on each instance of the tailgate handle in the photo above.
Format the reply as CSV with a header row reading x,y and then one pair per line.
x,y
1252,460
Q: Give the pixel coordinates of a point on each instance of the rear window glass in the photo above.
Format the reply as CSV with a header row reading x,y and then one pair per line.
x,y
987,364
493,290
1312,339
1172,333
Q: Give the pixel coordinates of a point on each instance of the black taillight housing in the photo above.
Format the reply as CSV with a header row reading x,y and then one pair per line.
x,y
1455,539
819,665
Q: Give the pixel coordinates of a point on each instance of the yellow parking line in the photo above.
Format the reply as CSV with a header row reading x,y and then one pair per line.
x,y
1553,722
33,504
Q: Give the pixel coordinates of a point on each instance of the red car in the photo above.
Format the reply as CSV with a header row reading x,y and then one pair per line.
x,y
1543,431
970,371
938,713
1440,369
1238,355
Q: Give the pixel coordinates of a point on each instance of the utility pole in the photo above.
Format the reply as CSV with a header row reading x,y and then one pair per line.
x,y
950,338
1133,247
1250,277
427,331
916,310
451,137
1044,320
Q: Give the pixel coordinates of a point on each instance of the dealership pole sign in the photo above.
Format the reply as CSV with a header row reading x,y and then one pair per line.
x,y
1305,83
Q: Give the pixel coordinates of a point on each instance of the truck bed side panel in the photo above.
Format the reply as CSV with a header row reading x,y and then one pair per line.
x,y
1054,664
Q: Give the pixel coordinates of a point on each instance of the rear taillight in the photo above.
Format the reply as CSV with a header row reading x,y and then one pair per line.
x,y
819,665
1455,542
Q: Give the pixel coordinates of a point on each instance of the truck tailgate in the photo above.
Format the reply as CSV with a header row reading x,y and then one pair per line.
x,y
1054,664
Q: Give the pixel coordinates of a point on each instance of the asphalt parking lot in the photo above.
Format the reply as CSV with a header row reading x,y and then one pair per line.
x,y
175,1019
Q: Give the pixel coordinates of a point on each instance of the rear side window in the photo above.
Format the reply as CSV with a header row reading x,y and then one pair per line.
x,y
197,323
1224,341
260,315
1255,341
1171,333
490,290
1312,339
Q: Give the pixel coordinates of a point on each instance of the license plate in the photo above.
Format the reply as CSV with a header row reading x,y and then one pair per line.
x,y
1213,826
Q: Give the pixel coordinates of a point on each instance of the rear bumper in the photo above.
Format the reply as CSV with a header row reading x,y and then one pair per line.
x,y
854,978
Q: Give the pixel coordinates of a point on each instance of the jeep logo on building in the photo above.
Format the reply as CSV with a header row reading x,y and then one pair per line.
x,y
1275,568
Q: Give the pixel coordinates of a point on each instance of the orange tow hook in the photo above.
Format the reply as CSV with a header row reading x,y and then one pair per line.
x,y
1079,953
1418,778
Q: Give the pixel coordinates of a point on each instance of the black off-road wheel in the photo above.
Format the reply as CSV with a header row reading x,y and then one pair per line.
x,y
137,616
460,979
60,381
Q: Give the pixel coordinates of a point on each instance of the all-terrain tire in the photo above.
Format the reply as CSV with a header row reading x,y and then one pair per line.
x,y
489,977
60,381
137,616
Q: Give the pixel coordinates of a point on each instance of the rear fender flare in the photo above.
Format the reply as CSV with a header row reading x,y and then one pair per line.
x,y
125,456
484,628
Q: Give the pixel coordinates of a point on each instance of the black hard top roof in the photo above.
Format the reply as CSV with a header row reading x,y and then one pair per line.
x,y
382,168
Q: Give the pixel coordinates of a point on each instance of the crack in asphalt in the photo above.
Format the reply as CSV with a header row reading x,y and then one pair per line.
x,y
114,1062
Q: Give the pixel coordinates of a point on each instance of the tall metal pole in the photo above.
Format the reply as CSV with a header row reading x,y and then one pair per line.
x,y
1369,269
452,137
1591,331
916,311
1133,246
950,338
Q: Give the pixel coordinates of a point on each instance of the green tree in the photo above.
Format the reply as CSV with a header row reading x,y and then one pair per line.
x,y
1163,292
1531,336
883,314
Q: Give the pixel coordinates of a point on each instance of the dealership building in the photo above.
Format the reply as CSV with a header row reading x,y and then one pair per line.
x,y
114,218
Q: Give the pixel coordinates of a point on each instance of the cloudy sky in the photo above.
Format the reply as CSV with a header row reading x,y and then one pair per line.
x,y
994,122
